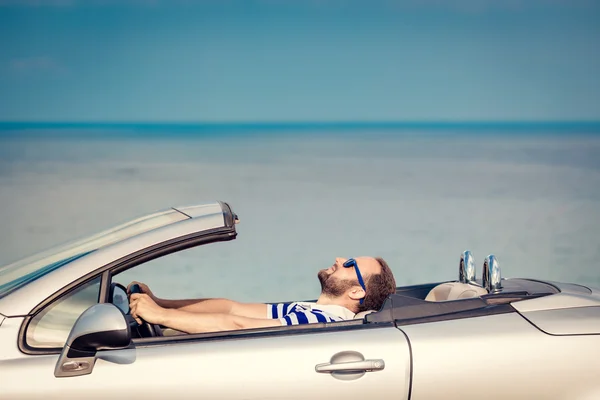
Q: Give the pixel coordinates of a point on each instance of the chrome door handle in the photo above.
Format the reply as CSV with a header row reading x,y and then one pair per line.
x,y
352,366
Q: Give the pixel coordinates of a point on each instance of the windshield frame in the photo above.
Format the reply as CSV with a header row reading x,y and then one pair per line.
x,y
22,272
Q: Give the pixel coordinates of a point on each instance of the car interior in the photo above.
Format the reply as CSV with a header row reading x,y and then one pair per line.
x,y
463,298
466,297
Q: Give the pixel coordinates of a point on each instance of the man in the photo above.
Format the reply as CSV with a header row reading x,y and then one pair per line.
x,y
347,287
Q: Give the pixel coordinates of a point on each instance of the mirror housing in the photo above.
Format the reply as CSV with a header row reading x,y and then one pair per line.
x,y
466,272
100,327
492,279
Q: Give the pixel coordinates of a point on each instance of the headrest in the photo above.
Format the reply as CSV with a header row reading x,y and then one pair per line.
x,y
454,291
362,314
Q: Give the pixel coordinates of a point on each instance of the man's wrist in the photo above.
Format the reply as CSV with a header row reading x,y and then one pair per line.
x,y
164,316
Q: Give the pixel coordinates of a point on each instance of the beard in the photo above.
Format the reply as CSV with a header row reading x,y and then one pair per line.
x,y
332,287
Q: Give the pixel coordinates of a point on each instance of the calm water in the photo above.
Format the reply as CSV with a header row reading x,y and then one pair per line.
x,y
418,196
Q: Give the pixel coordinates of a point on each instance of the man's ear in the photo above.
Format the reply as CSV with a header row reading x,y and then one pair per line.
x,y
356,293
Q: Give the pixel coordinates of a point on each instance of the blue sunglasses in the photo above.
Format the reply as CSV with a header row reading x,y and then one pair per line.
x,y
352,263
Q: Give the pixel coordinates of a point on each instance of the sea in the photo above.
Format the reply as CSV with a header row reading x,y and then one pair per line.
x,y
416,194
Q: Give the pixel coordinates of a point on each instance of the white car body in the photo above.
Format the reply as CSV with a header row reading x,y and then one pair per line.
x,y
519,339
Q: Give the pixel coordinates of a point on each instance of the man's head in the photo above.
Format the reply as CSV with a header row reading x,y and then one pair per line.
x,y
341,284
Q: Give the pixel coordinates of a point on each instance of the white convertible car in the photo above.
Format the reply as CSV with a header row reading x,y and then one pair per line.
x,y
66,332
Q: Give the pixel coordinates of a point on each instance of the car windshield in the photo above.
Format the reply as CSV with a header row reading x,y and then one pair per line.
x,y
20,273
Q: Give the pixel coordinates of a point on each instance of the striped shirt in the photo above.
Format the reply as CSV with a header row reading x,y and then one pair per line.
x,y
307,313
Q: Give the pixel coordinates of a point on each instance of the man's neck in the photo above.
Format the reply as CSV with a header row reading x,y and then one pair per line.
x,y
332,301
326,300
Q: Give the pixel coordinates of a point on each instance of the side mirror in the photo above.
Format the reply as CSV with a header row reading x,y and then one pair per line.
x,y
100,327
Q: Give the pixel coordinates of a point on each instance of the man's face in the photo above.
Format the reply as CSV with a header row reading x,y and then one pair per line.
x,y
337,280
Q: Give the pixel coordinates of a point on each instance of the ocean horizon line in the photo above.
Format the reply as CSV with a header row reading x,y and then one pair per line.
x,y
214,130
70,128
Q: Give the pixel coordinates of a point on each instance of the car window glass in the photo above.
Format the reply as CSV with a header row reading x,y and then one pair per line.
x,y
50,328
199,272
27,270
230,269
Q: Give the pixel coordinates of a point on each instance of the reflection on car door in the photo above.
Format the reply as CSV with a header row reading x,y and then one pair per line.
x,y
259,367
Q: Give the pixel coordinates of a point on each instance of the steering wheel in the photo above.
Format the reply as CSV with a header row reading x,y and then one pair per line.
x,y
145,329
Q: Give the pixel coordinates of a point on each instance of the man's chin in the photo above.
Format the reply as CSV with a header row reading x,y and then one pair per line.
x,y
322,275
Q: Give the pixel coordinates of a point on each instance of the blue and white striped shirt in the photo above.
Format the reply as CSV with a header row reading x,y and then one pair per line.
x,y
307,313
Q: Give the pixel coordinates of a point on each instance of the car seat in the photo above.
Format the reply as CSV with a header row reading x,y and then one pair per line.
x,y
454,291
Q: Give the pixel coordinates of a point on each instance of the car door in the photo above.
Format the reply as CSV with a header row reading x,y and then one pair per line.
x,y
273,365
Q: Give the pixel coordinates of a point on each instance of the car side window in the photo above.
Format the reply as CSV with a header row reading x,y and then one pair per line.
x,y
212,270
50,328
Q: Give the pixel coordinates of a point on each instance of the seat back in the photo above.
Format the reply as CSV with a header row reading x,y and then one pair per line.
x,y
454,291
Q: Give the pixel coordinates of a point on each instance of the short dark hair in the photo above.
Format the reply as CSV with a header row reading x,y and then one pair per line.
x,y
379,287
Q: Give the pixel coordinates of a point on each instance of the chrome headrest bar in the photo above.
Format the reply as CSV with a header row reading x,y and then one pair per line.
x,y
466,270
491,280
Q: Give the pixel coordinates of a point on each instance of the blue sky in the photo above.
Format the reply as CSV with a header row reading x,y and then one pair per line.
x,y
299,61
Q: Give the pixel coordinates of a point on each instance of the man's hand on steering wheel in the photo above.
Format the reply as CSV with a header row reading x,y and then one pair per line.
x,y
143,288
144,309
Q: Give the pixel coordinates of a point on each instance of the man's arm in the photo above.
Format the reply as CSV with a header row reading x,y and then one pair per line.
x,y
211,322
142,306
226,306
218,306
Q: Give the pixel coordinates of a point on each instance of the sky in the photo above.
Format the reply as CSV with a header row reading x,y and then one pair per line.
x,y
270,60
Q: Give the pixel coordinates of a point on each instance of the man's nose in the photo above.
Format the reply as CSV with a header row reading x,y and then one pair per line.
x,y
340,260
